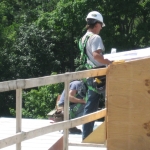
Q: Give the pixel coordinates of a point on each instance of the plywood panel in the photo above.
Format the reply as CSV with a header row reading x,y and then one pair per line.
x,y
98,136
128,106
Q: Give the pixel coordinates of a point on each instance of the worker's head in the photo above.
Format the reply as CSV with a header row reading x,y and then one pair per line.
x,y
94,21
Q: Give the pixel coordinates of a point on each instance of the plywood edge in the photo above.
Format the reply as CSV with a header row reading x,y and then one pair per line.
x,y
98,136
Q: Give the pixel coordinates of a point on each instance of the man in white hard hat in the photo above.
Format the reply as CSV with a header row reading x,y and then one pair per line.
x,y
94,49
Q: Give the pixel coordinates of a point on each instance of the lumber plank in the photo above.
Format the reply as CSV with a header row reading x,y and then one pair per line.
x,y
46,80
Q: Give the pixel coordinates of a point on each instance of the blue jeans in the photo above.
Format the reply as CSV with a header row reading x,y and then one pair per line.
x,y
90,107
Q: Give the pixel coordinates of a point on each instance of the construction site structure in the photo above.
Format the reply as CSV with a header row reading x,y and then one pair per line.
x,y
127,113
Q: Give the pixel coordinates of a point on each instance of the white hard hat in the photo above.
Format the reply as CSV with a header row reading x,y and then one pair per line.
x,y
96,16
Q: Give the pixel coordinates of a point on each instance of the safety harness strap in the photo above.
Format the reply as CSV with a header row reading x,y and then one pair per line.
x,y
84,56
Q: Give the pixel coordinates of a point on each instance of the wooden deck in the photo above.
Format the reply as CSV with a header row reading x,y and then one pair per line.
x,y
8,128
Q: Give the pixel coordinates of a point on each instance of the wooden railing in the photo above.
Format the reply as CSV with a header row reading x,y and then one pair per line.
x,y
20,84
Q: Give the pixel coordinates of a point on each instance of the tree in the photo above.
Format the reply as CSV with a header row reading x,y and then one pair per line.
x,y
33,53
40,37
38,102
13,15
126,24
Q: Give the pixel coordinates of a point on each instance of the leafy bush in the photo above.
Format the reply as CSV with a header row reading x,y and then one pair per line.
x,y
38,102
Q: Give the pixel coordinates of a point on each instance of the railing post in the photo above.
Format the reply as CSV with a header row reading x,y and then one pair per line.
x,y
66,114
18,114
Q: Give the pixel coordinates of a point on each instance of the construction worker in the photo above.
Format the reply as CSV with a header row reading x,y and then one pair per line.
x,y
77,94
92,49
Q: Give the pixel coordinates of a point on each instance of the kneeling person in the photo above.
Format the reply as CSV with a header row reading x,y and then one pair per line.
x,y
77,94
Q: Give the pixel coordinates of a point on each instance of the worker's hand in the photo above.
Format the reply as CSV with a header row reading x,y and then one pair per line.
x,y
118,61
111,62
83,101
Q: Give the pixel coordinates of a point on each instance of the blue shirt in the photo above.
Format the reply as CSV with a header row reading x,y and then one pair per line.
x,y
74,85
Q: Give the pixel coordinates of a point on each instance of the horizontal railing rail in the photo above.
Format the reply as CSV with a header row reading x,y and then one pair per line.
x,y
35,82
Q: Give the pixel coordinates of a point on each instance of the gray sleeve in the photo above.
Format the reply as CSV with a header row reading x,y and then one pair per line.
x,y
97,44
74,85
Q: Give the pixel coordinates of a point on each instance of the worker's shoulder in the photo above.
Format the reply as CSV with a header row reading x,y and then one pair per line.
x,y
76,82
95,38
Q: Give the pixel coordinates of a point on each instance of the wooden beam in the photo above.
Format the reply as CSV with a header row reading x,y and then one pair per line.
x,y
18,114
87,145
35,82
66,114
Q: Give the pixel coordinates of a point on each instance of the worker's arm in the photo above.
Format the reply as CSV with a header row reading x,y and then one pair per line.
x,y
100,58
73,99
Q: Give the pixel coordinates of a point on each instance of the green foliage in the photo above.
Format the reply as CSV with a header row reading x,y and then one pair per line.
x,y
126,24
6,101
39,37
39,102
33,53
